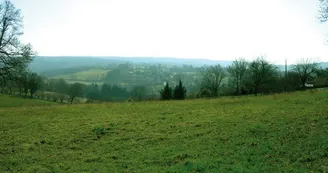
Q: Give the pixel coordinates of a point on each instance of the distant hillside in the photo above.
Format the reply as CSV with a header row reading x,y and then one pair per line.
x,y
324,65
54,65
47,64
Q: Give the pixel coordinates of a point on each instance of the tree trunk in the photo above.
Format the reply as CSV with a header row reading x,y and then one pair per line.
x,y
303,86
237,89
256,90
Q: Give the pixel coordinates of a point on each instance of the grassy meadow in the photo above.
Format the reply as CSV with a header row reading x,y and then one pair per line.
x,y
87,75
15,101
275,133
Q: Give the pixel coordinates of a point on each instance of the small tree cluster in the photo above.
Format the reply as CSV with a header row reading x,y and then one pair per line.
x,y
166,92
179,92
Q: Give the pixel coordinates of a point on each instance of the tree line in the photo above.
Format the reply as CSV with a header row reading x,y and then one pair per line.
x,y
258,76
240,78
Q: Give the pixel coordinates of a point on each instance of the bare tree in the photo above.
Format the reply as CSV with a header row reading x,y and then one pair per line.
x,y
260,73
238,70
323,10
212,78
304,68
13,54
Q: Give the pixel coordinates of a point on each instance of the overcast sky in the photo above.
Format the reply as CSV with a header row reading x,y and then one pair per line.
x,y
210,29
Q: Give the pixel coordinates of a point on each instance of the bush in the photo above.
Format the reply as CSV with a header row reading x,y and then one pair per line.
x,y
204,93
40,95
129,100
62,97
47,96
100,131
89,101
192,95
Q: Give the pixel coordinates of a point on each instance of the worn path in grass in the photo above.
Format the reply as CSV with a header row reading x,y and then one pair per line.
x,y
285,132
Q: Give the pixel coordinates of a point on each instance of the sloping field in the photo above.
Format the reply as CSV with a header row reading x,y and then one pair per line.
x,y
277,133
87,75
14,101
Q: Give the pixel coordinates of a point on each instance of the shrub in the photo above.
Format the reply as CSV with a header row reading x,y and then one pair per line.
x,y
129,100
62,97
192,96
54,99
89,101
204,93
100,131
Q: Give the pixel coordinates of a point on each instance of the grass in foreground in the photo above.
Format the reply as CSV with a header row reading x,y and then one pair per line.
x,y
278,133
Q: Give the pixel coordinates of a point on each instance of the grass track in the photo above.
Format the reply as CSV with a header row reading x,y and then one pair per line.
x,y
277,133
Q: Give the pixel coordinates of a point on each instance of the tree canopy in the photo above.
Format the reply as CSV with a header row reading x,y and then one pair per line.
x,y
260,73
304,68
238,70
14,55
212,78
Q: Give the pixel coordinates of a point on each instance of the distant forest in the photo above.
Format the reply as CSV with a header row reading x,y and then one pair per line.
x,y
64,79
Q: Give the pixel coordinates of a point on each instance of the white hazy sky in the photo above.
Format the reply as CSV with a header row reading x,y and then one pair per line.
x,y
211,29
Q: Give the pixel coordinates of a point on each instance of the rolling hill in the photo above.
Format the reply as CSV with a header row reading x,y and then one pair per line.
x,y
14,101
44,64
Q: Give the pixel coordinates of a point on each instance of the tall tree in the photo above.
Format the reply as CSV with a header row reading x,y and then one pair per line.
x,y
180,92
238,70
13,54
166,92
304,68
34,83
75,90
260,73
212,78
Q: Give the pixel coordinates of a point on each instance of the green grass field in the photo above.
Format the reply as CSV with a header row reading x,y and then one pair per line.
x,y
15,101
276,133
87,75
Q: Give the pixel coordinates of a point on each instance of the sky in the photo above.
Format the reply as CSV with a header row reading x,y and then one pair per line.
x,y
209,29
